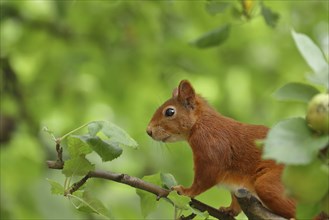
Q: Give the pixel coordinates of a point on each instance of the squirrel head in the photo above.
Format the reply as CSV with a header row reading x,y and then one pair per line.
x,y
174,119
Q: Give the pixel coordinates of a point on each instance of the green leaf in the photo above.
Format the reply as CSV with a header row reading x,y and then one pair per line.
x,y
148,200
79,193
90,204
77,166
309,183
296,92
292,142
95,127
236,12
56,188
180,201
213,38
307,211
204,214
105,149
168,180
271,18
311,52
77,146
118,135
113,132
214,7
320,77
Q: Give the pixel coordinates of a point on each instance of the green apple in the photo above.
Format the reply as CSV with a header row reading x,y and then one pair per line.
x,y
306,183
318,113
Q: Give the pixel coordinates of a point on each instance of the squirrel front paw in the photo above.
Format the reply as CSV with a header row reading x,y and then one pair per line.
x,y
179,189
229,211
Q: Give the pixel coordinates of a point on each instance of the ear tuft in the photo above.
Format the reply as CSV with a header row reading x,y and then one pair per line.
x,y
175,93
186,94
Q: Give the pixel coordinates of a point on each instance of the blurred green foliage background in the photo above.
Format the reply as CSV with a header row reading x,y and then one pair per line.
x,y
64,63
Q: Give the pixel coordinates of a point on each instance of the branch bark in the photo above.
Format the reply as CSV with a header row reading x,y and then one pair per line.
x,y
253,208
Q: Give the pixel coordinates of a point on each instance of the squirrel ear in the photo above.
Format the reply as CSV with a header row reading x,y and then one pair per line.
x,y
175,93
186,94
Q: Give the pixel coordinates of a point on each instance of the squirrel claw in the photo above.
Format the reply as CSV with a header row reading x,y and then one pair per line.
x,y
179,189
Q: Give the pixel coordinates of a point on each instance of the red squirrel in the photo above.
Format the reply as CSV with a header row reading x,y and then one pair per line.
x,y
224,151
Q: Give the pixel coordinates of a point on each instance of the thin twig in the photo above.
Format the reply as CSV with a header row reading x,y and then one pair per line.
x,y
139,184
189,217
77,185
59,150
55,164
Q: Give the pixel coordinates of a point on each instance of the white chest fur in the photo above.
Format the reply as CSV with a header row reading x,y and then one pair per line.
x,y
231,187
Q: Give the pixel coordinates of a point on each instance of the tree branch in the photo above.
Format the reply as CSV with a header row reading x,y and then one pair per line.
x,y
212,211
131,181
250,205
139,184
253,208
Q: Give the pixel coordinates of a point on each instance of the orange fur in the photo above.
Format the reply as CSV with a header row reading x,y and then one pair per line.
x,y
223,150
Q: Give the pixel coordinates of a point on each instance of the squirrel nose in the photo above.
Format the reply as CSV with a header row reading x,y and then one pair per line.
x,y
149,131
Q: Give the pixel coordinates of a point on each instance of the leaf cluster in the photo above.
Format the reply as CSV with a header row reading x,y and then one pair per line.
x,y
108,147
294,143
241,10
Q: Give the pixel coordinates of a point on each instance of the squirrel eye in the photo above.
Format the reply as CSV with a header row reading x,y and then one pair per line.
x,y
169,112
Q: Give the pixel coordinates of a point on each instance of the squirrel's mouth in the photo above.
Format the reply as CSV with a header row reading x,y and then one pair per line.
x,y
165,138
